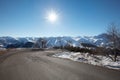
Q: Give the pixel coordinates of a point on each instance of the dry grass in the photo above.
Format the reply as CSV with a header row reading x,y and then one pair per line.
x,y
3,52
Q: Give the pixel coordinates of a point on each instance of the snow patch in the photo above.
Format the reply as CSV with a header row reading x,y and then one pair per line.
x,y
90,59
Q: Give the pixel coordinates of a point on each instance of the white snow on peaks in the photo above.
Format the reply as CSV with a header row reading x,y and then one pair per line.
x,y
99,40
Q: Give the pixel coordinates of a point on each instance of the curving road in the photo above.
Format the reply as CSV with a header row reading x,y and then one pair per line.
x,y
39,65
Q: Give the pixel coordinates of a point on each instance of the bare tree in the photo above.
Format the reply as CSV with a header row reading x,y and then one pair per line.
x,y
59,39
114,37
44,43
40,43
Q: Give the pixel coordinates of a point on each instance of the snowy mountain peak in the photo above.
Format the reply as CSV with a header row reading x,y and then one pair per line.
x,y
99,40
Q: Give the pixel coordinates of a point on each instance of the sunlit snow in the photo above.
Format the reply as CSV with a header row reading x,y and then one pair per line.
x,y
90,59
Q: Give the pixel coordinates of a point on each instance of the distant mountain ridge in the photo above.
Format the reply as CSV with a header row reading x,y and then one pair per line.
x,y
28,42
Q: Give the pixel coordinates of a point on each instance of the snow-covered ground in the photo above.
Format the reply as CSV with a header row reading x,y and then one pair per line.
x,y
90,59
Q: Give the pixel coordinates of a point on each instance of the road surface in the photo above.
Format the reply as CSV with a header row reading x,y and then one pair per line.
x,y
39,65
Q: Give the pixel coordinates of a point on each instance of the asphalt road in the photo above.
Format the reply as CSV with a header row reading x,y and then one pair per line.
x,y
39,65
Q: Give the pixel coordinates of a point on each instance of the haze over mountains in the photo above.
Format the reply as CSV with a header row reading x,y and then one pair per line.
x,y
29,42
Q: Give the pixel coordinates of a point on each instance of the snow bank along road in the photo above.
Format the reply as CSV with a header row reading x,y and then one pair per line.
x,y
39,65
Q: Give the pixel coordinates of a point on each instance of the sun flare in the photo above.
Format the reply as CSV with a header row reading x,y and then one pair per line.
x,y
52,16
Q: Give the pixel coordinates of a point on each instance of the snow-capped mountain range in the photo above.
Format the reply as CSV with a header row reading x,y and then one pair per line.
x,y
28,42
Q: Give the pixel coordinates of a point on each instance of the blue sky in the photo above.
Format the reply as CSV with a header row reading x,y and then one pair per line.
x,y
26,18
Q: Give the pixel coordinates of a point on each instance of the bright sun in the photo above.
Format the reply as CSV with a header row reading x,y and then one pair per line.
x,y
52,16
